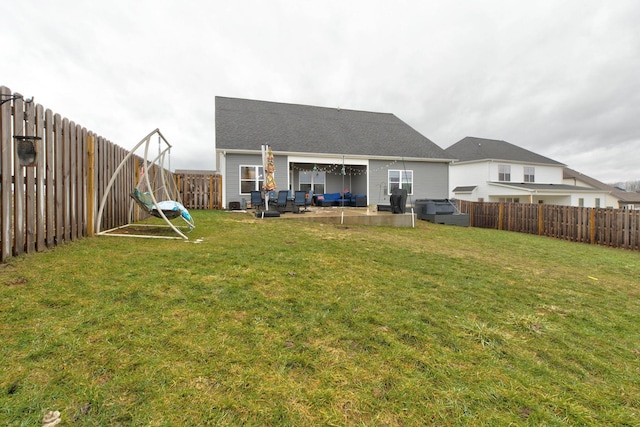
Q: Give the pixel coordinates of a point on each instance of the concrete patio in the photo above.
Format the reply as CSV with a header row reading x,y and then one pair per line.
x,y
350,215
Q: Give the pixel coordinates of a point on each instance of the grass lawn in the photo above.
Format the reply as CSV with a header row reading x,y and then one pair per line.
x,y
282,322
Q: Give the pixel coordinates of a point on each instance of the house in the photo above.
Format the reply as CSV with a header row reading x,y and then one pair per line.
x,y
615,198
497,171
326,150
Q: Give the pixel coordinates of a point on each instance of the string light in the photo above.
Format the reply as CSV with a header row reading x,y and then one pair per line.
x,y
339,169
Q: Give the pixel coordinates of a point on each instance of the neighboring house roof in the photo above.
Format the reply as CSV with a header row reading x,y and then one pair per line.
x,y
243,124
474,149
543,187
624,197
464,189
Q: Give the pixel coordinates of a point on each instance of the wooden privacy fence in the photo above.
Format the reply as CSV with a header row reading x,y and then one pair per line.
x,y
616,228
200,190
52,201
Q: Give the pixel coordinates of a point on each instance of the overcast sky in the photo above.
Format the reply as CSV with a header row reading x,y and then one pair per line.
x,y
560,78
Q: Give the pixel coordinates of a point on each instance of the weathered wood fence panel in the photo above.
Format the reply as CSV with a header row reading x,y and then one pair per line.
x,y
616,228
200,191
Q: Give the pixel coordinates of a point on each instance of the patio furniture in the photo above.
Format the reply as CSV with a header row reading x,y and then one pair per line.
x,y
281,203
308,200
170,208
359,200
256,200
330,199
299,200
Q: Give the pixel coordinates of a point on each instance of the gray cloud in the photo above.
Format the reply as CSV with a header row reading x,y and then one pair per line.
x,y
558,78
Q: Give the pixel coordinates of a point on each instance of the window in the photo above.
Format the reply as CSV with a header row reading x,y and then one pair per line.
x,y
509,199
597,202
251,179
309,180
581,202
529,174
401,179
504,173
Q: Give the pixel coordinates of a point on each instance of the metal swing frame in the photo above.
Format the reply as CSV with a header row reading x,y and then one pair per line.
x,y
163,190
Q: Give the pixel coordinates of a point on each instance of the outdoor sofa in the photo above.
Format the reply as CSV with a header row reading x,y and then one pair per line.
x,y
337,199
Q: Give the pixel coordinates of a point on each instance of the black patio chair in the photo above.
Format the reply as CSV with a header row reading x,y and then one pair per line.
x,y
281,203
299,200
256,200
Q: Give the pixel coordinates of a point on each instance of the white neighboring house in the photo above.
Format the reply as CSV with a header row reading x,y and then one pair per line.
x,y
490,170
615,198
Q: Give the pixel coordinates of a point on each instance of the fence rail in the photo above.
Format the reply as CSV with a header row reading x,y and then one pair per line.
x,y
54,200
616,228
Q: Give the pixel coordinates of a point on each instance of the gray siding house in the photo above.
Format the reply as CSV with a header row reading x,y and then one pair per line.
x,y
327,150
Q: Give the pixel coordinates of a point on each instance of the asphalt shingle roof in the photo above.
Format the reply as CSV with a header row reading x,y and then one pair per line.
x,y
472,148
623,196
246,124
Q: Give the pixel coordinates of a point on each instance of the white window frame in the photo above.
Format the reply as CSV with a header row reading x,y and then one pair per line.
x,y
529,174
317,179
504,173
258,171
405,177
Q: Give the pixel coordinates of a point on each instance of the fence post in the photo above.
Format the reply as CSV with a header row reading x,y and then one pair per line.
x,y
592,226
211,192
540,219
91,185
625,229
500,214
6,142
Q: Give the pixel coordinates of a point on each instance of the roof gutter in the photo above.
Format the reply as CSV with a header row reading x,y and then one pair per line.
x,y
337,155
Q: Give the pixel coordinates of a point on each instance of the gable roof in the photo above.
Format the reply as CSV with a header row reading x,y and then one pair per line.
x,y
244,124
472,149
624,197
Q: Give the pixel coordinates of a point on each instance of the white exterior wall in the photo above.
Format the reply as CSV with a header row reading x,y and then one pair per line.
x,y
590,200
543,174
548,174
468,174
606,199
485,177
479,174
